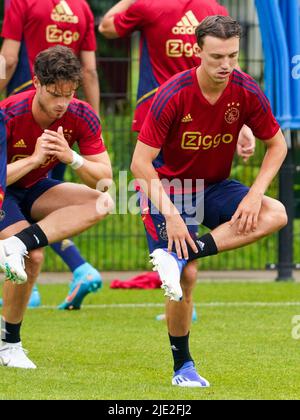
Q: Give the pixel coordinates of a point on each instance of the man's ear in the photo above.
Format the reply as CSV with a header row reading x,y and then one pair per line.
x,y
36,82
198,51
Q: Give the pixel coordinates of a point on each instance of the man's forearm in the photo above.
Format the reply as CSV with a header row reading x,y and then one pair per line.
x,y
10,56
271,165
93,172
151,185
119,8
20,168
9,72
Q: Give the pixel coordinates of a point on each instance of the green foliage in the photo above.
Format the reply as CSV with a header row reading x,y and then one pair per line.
x,y
100,7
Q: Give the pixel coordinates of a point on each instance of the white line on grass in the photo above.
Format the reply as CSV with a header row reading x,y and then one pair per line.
x,y
160,305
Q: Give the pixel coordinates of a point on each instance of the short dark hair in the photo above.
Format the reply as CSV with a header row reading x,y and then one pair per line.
x,y
218,26
57,64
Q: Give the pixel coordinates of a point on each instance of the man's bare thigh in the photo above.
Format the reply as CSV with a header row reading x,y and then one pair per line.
x,y
60,196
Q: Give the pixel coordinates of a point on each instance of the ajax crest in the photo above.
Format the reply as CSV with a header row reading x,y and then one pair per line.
x,y
233,113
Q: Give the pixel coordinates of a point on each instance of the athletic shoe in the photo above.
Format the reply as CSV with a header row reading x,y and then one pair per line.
x,y
14,356
169,268
162,317
13,266
86,279
187,376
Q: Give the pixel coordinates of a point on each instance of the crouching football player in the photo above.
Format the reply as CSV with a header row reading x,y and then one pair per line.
x,y
190,134
42,125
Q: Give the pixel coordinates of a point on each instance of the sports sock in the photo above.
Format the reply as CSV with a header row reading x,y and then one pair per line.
x,y
10,333
206,247
69,253
180,350
33,237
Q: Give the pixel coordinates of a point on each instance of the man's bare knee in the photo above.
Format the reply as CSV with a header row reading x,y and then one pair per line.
x,y
34,262
275,216
281,216
104,205
98,208
189,278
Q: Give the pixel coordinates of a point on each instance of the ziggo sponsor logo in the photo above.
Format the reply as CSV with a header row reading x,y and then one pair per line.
x,y
176,48
196,141
54,35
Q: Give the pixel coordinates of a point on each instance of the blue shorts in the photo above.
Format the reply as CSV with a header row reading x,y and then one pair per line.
x,y
19,201
211,208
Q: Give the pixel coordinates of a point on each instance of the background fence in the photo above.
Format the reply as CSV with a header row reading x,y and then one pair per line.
x,y
118,243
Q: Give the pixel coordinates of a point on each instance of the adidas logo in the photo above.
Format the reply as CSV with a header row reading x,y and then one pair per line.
x,y
187,25
4,333
188,118
21,144
174,348
201,244
63,13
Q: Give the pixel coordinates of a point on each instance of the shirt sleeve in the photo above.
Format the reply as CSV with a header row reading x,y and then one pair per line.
x,y
14,20
89,42
90,139
132,19
260,118
158,122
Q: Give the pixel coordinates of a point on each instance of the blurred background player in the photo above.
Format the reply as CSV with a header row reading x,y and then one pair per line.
x,y
29,27
49,120
168,46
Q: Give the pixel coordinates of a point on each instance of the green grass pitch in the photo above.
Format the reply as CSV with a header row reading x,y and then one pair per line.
x,y
114,349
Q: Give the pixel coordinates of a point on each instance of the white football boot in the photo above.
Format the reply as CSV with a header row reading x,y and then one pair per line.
x,y
14,356
169,268
12,265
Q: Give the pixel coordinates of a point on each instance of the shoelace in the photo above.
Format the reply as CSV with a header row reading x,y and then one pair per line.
x,y
26,255
14,348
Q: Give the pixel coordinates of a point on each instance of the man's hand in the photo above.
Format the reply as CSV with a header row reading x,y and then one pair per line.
x,y
247,213
246,143
40,154
56,145
178,234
